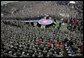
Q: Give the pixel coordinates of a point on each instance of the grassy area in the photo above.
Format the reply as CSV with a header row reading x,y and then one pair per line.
x,y
63,27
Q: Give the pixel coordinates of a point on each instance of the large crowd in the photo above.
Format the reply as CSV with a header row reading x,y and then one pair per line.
x,y
24,40
29,41
24,9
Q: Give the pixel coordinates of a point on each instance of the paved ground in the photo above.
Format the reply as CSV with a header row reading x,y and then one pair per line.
x,y
5,2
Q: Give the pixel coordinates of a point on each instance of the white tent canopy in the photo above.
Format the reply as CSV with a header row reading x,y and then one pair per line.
x,y
73,2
